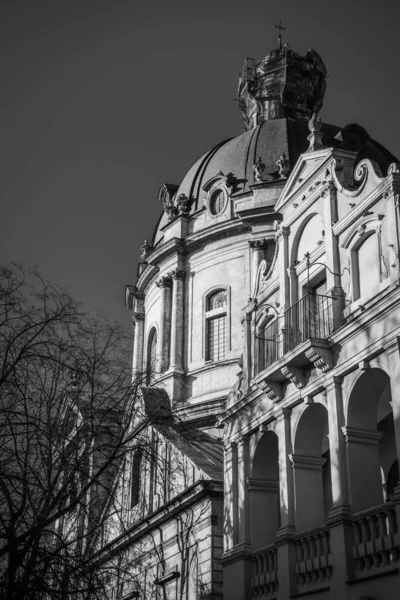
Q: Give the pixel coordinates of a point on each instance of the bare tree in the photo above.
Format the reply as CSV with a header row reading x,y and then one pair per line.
x,y
66,405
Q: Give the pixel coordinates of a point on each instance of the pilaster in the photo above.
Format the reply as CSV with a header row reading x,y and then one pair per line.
x,y
176,363
282,238
138,325
165,284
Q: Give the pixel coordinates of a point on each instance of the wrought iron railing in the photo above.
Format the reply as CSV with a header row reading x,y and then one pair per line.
x,y
310,317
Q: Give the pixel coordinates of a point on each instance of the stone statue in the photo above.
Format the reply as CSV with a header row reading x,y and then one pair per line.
x,y
145,250
171,211
315,123
258,169
183,205
283,165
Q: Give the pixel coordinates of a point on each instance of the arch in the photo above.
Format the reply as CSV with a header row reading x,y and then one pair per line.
x,y
311,466
370,439
264,490
307,236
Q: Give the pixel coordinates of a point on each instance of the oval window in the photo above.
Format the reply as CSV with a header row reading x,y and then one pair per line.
x,y
217,202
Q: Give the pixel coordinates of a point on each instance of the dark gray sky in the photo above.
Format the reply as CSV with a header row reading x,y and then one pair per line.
x,y
103,100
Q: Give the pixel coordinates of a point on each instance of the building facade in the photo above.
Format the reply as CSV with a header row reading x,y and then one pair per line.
x,y
266,311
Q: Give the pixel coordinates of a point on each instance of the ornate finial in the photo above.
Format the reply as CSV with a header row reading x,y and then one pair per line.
x,y
280,28
145,250
283,165
258,168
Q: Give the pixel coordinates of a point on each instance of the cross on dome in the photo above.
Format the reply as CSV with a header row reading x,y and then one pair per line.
x,y
280,27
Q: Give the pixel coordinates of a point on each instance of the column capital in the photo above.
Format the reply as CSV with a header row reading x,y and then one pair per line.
x,y
282,233
176,274
164,282
260,244
361,436
311,463
137,316
284,414
334,382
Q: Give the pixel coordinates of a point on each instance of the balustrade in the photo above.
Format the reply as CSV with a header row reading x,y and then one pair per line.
x,y
265,572
313,559
376,542
309,318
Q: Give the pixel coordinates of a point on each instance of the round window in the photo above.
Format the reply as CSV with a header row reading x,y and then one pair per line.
x,y
217,202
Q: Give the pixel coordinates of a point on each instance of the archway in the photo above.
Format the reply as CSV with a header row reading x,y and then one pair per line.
x,y
264,491
311,466
370,440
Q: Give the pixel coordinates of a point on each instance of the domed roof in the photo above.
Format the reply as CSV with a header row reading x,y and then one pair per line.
x,y
268,141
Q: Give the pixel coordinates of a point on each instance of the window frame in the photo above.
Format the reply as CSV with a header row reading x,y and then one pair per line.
x,y
212,314
153,331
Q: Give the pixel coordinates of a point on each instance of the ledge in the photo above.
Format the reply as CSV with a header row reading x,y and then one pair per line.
x,y
316,591
373,576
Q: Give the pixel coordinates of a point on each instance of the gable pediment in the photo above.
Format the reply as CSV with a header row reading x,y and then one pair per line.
x,y
300,179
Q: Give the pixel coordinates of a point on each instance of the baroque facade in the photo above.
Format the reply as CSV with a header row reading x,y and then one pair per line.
x,y
267,305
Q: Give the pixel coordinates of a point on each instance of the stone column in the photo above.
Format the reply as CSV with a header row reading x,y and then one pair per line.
x,y
248,363
340,524
176,362
165,284
285,546
307,471
231,530
258,250
282,238
333,271
338,458
138,325
243,491
393,354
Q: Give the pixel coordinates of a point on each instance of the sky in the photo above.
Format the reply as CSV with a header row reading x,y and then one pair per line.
x,y
102,101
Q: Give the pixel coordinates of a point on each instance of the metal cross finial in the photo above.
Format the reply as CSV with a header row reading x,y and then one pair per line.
x,y
280,27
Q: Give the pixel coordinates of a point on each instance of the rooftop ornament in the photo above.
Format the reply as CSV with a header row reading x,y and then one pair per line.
x,y
258,169
316,135
283,165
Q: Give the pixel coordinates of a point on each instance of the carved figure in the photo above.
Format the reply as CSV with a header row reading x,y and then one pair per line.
x,y
315,123
258,169
145,250
171,211
283,165
183,204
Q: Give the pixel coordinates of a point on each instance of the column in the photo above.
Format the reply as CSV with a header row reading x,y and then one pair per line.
x,y
340,532
138,325
282,238
339,477
247,350
258,251
307,472
393,355
176,362
165,284
285,546
243,492
333,271
231,531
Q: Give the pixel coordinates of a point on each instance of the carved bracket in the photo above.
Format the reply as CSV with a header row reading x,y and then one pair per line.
x,y
320,357
294,375
273,390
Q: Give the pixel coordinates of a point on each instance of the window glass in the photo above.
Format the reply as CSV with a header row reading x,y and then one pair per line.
x,y
368,265
217,202
217,300
216,338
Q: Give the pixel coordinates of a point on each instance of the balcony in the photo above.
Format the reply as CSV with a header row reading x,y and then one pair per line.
x,y
290,344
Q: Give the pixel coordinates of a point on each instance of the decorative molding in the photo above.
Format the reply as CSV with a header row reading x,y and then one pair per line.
x,y
176,274
260,244
309,463
262,485
272,390
320,357
164,282
296,376
137,316
361,436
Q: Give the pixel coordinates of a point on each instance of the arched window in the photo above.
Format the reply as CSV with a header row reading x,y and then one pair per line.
x,y
216,325
368,266
135,477
151,355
